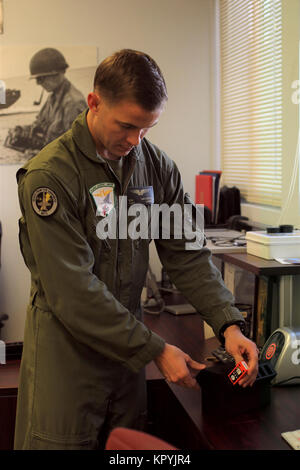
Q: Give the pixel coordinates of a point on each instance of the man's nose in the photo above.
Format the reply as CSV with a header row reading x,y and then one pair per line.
x,y
135,137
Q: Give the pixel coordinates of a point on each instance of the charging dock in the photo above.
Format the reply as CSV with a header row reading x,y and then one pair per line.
x,y
221,398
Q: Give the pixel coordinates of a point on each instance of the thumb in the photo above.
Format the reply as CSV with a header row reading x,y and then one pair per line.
x,y
195,365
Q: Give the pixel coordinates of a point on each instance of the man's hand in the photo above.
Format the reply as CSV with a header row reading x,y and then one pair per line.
x,y
242,349
173,364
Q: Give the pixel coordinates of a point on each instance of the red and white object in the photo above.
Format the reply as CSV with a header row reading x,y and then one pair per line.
x,y
238,372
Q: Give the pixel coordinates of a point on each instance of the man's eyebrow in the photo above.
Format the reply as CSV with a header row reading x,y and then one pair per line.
x,y
128,124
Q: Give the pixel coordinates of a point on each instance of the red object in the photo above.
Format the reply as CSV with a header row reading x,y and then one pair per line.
x,y
204,191
271,351
238,372
216,174
130,439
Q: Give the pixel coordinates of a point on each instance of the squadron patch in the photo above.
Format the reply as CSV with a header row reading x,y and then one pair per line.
x,y
104,197
44,201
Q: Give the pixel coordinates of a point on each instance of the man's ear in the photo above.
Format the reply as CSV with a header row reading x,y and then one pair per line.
x,y
94,101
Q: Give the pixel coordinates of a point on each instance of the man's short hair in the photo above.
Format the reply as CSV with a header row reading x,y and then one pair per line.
x,y
131,75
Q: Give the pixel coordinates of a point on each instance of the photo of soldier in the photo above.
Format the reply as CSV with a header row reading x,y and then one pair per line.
x,y
64,103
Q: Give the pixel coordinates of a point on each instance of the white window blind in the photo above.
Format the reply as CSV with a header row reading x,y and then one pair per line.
x,y
250,34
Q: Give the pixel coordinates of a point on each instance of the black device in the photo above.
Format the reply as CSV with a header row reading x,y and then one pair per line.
x,y
239,222
281,229
14,350
223,356
221,399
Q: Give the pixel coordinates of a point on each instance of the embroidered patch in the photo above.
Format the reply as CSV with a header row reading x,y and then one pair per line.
x,y
104,197
44,201
140,195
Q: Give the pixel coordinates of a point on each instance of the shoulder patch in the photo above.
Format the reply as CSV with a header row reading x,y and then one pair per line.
x,y
44,201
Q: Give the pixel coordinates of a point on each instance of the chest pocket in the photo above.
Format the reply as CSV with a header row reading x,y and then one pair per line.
x,y
142,207
100,248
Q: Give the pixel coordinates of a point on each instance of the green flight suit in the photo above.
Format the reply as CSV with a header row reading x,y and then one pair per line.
x,y
85,345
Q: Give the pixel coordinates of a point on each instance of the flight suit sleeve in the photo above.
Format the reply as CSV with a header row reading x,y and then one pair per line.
x,y
192,270
64,261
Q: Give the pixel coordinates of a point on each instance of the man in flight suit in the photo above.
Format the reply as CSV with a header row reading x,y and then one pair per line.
x,y
85,345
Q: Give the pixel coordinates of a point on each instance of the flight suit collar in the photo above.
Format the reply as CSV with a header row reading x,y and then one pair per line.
x,y
85,143
83,138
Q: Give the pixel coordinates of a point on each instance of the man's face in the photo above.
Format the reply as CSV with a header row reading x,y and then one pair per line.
x,y
50,82
118,128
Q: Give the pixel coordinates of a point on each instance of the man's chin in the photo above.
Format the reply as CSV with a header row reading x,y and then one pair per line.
x,y
123,151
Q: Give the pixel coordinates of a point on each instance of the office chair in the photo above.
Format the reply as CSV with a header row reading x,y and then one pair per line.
x,y
130,439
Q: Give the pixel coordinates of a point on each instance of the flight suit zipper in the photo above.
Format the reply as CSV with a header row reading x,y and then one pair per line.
x,y
123,189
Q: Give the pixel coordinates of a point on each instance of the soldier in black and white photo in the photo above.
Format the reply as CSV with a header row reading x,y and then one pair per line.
x,y
64,103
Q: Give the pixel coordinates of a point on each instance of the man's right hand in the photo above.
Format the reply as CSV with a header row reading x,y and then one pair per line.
x,y
174,365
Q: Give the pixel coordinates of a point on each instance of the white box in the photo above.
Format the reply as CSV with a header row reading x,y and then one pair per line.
x,y
273,245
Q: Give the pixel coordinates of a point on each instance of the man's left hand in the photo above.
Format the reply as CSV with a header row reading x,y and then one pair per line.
x,y
242,349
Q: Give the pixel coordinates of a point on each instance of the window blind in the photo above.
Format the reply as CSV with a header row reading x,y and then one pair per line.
x,y
250,34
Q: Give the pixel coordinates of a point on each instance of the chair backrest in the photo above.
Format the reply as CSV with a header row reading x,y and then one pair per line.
x,y
130,439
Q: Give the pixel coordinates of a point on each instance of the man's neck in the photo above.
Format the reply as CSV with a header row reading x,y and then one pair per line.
x,y
99,147
109,156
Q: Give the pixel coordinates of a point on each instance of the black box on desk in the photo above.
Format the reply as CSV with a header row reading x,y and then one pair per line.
x,y
221,398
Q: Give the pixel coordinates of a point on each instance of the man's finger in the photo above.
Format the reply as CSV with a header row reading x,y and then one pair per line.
x,y
238,358
195,365
189,382
250,377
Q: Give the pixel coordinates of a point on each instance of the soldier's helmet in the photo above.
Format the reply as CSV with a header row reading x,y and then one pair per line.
x,y
47,61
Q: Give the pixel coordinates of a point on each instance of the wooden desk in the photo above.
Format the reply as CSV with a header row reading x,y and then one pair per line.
x,y
280,307
259,266
177,414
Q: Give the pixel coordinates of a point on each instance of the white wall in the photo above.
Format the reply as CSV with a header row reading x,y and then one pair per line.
x,y
175,32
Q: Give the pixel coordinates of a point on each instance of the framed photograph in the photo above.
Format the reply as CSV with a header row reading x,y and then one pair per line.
x,y
45,88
